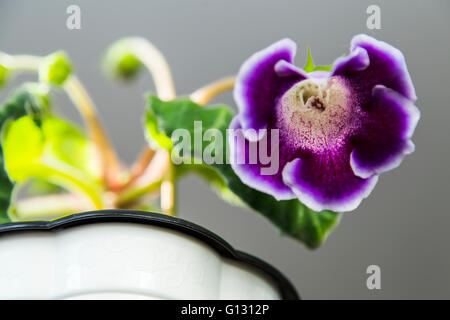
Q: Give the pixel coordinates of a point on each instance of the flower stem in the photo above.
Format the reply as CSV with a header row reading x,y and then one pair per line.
x,y
139,166
159,69
131,194
210,91
156,64
69,178
109,161
168,191
22,62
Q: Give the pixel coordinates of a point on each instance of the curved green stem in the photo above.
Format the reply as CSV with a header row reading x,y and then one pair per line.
x,y
22,62
156,64
159,69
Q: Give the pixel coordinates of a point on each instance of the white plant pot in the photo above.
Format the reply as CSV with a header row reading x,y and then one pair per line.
x,y
118,254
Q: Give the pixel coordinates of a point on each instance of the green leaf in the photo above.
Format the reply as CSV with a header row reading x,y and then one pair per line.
x,y
167,116
26,140
290,216
310,67
21,102
23,144
67,142
32,151
55,68
154,136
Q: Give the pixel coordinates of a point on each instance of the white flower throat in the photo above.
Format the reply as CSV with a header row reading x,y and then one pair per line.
x,y
317,114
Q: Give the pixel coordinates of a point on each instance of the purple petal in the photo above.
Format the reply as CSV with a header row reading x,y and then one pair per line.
x,y
326,181
287,69
385,137
251,174
258,85
387,66
357,60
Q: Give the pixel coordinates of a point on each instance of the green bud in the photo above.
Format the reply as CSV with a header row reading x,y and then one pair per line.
x,y
120,62
55,68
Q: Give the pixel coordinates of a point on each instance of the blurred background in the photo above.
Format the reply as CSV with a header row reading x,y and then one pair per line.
x,y
402,227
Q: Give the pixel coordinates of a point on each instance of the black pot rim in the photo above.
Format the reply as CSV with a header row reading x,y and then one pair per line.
x,y
285,287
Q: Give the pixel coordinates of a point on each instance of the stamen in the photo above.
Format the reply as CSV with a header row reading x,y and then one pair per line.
x,y
312,95
317,102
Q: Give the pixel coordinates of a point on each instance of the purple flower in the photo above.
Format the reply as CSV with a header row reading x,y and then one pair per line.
x,y
337,130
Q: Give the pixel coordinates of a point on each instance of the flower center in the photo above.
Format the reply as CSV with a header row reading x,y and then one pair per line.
x,y
311,95
317,114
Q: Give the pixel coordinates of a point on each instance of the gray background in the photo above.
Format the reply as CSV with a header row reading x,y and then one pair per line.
x,y
402,226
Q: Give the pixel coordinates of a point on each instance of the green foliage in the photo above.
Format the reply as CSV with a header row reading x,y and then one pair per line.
x,y
290,216
163,117
38,147
155,137
67,142
54,151
21,102
120,62
55,68
22,147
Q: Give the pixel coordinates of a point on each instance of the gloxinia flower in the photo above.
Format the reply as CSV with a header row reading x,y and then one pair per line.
x,y
338,130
